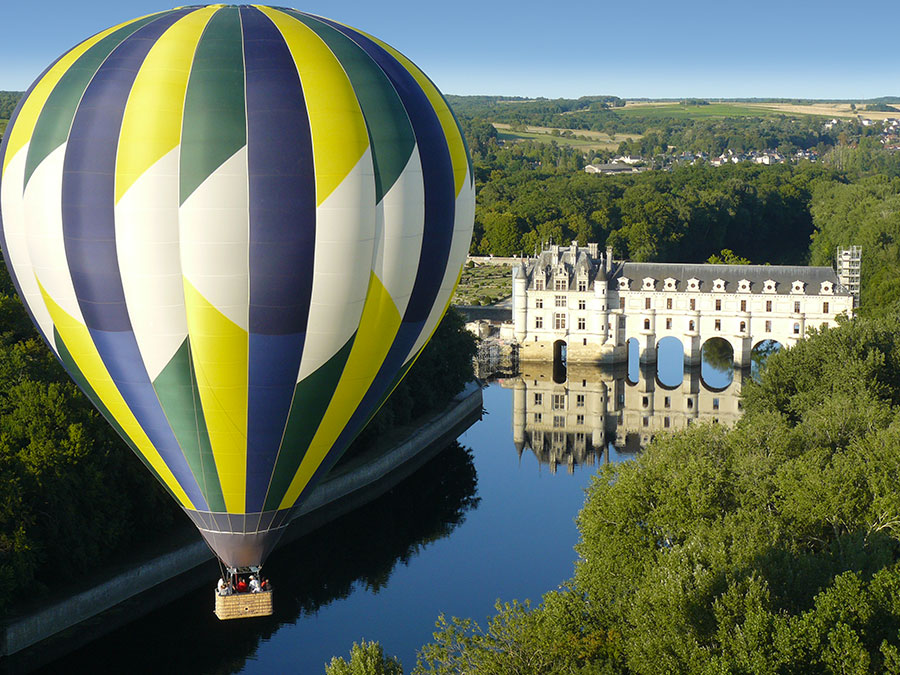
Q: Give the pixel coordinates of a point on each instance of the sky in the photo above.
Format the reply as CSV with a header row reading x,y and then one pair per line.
x,y
636,49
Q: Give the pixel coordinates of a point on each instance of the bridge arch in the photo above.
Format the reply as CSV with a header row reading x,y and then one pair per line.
x,y
717,363
670,362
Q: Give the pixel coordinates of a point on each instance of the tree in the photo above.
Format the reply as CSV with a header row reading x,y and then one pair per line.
x,y
367,658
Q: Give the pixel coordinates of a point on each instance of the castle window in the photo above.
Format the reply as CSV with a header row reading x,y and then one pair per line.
x,y
769,286
743,305
827,287
539,303
824,308
560,301
768,305
798,287
690,404
579,400
718,324
690,325
768,326
669,284
559,421
560,284
538,322
559,321
539,399
668,303
669,323
582,285
538,284
796,329
646,303
559,401
743,326
579,419
718,285
581,323
693,284
718,305
646,324
649,284
624,283
797,306
715,404
582,304
667,402
538,418
693,303
666,422
743,286
621,303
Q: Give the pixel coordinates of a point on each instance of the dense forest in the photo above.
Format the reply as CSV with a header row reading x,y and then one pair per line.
x,y
72,495
529,193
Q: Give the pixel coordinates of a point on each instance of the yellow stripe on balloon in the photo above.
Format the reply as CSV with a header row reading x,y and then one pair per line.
x,y
442,110
377,329
151,126
78,341
339,133
220,352
27,119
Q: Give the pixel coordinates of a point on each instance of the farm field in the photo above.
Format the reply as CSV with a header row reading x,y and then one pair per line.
x,y
669,109
596,140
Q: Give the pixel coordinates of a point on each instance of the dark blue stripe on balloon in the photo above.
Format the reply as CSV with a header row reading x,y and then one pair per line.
x,y
120,354
88,211
282,185
274,365
3,148
437,172
282,241
393,362
89,177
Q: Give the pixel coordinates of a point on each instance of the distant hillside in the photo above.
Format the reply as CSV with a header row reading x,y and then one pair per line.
x,y
8,102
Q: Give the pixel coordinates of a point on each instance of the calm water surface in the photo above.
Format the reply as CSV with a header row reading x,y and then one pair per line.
x,y
492,517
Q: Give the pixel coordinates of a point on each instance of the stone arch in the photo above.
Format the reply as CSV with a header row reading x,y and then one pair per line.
x,y
560,361
670,362
717,359
760,353
633,365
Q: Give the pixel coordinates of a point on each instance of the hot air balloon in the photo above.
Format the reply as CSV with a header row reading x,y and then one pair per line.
x,y
236,227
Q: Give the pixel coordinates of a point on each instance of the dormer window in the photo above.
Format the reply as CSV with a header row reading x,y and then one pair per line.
x,y
743,286
693,284
719,285
561,283
539,284
827,288
649,284
624,283
769,286
798,287
669,284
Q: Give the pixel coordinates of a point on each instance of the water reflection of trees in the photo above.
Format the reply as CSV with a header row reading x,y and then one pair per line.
x,y
718,353
361,548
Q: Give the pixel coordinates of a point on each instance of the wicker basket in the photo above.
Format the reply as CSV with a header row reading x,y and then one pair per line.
x,y
243,605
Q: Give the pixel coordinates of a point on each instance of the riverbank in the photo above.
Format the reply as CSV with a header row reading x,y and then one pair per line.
x,y
62,624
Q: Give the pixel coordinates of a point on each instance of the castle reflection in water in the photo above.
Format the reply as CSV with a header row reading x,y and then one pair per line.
x,y
577,421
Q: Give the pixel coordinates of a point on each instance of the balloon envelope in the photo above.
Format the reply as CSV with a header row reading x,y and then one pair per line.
x,y
236,226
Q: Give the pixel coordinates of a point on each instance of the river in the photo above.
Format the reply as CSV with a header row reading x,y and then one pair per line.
x,y
491,517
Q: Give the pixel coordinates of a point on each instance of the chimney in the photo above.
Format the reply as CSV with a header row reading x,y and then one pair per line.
x,y
592,249
609,260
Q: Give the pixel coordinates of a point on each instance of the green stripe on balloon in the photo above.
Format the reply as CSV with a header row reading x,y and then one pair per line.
x,y
215,122
390,133
311,398
55,120
176,388
75,373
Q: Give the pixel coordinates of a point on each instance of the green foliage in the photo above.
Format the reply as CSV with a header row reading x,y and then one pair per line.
x,y
367,658
72,496
8,102
866,213
770,547
727,257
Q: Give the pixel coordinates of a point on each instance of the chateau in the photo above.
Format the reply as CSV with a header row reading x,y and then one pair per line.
x,y
581,302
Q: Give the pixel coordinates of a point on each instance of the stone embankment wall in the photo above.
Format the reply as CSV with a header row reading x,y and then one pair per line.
x,y
340,494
